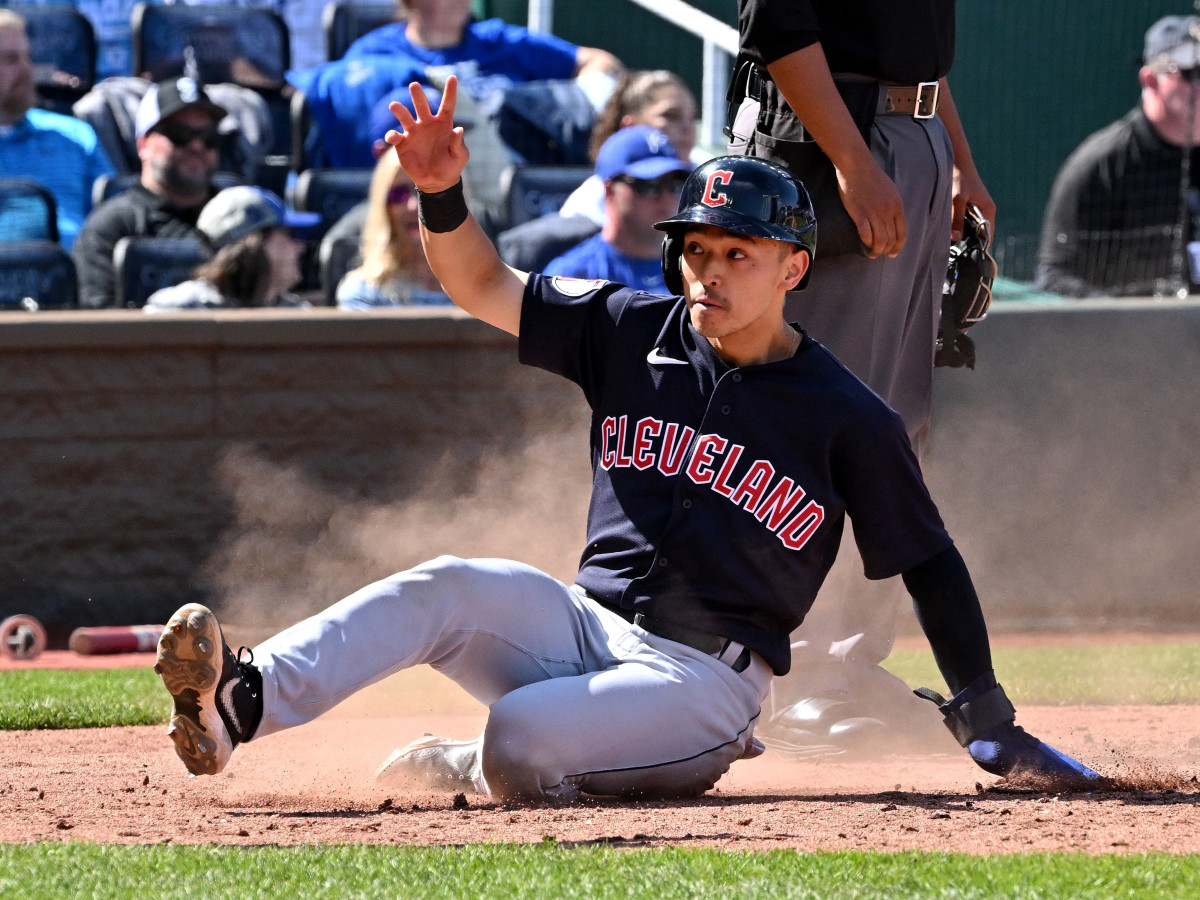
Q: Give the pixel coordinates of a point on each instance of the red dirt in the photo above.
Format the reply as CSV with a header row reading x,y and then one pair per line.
x,y
313,785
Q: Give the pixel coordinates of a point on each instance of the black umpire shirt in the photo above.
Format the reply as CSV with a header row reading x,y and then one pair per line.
x,y
905,43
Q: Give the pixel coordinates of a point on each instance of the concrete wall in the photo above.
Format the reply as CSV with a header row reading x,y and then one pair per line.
x,y
1066,464
278,461
268,458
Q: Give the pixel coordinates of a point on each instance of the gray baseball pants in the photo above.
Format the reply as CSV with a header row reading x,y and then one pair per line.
x,y
581,701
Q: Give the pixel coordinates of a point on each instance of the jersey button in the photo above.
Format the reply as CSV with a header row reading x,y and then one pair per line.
x,y
737,377
663,561
687,504
726,409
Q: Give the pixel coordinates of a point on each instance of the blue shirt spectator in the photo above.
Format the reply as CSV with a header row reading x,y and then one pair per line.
x,y
642,176
60,152
491,47
436,36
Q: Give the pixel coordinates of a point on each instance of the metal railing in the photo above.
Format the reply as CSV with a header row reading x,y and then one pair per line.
x,y
720,43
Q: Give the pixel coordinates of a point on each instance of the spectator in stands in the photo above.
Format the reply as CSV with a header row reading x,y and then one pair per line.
x,y
436,34
394,271
178,144
1115,224
654,97
642,175
443,33
256,260
57,151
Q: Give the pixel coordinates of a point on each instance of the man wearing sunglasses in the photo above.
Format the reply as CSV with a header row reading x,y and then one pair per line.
x,y
178,142
1114,225
642,177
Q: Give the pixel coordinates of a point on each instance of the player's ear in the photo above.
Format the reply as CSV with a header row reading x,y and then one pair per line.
x,y
796,264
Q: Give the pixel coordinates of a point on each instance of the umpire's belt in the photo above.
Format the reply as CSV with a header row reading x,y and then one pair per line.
x,y
919,101
736,656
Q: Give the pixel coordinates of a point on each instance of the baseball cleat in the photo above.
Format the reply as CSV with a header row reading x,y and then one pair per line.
x,y
434,762
218,698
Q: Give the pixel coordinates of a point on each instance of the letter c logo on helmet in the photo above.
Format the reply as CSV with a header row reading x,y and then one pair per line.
x,y
711,195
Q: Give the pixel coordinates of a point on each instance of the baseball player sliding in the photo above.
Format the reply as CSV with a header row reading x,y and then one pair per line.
x,y
727,449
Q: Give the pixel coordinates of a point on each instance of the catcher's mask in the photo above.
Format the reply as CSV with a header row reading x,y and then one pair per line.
x,y
967,292
745,195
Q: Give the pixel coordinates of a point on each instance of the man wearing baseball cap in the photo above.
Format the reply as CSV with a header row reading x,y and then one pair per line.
x,y
642,175
1114,218
178,142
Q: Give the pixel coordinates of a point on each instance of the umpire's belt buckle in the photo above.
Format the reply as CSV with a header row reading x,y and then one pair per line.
x,y
927,100
919,101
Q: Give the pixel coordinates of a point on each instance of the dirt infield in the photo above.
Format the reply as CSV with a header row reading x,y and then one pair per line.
x,y
313,785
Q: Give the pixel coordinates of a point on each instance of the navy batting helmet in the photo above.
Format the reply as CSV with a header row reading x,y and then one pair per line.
x,y
743,194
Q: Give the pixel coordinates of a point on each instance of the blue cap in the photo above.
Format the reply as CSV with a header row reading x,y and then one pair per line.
x,y
244,209
382,120
638,151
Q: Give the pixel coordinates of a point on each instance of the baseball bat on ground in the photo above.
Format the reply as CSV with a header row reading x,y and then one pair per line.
x,y
103,639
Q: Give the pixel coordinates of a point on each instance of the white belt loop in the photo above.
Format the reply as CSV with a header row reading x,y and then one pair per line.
x,y
731,653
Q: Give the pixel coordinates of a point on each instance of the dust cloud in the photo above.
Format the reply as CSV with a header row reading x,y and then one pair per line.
x,y
300,543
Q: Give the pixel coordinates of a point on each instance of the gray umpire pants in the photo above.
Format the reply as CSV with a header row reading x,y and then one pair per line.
x,y
879,317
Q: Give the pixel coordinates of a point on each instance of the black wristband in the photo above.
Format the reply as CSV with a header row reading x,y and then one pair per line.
x,y
442,211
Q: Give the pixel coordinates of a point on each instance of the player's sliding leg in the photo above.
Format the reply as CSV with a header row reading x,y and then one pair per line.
x,y
218,698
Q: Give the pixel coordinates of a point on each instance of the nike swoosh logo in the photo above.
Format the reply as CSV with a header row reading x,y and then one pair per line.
x,y
656,357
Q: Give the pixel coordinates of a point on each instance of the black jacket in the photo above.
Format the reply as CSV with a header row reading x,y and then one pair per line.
x,y
136,211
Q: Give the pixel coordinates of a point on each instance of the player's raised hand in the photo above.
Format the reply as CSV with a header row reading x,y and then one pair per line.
x,y
430,149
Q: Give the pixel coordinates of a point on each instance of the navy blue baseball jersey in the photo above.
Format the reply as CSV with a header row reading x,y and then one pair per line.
x,y
718,492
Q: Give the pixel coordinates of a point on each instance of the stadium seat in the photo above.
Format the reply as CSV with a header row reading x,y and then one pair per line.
x,y
227,42
28,211
36,275
143,265
336,257
531,245
330,192
346,21
533,191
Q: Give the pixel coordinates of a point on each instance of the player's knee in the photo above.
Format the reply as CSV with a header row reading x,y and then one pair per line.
x,y
516,758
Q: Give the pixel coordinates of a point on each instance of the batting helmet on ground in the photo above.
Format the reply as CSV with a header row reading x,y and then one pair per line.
x,y
742,194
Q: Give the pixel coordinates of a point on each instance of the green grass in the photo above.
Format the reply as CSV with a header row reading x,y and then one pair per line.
x,y
61,871
1107,675
85,698
1111,675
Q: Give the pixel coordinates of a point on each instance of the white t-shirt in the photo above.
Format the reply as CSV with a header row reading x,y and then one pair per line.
x,y
586,200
